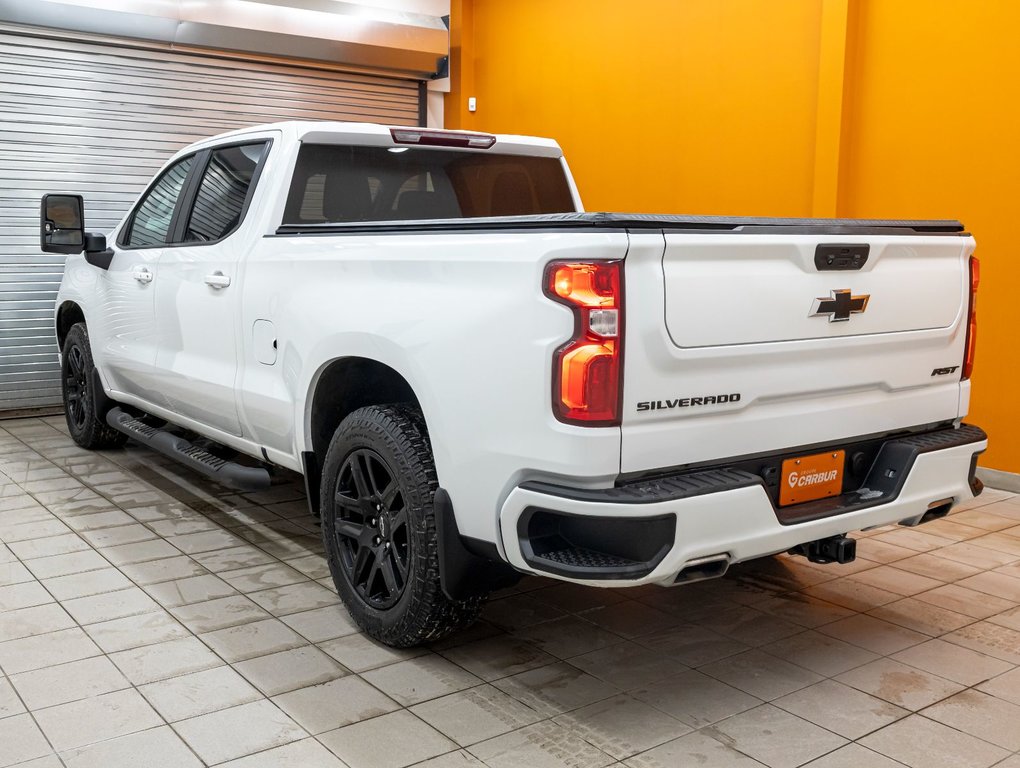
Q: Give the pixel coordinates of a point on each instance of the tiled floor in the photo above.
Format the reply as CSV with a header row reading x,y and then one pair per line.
x,y
151,619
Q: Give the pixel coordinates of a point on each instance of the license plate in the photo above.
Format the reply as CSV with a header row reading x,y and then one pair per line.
x,y
807,478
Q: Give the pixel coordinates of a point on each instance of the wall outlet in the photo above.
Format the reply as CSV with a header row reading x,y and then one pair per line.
x,y
472,104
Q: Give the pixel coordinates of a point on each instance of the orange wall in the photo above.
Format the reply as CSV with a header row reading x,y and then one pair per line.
x,y
934,131
735,106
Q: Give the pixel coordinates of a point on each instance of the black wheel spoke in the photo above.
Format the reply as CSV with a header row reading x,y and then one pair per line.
x,y
350,529
389,575
389,493
399,519
400,564
358,473
364,557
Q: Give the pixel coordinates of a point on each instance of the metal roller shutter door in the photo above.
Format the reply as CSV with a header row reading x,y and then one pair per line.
x,y
99,120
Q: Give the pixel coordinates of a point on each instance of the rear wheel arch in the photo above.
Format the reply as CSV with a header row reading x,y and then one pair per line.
x,y
343,386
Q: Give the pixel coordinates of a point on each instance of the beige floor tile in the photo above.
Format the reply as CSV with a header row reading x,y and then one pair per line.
x,y
142,552
495,657
167,569
86,584
108,519
1006,686
66,564
247,641
420,679
854,756
622,726
476,714
243,730
803,610
628,618
162,660
340,702
988,638
555,689
824,655
10,704
96,719
295,598
45,650
263,577
921,617
135,631
694,749
178,526
982,715
13,572
206,541
519,611
233,558
628,666
115,537
307,753
22,740
155,748
922,743
407,740
936,567
961,665
760,674
973,554
322,624
288,670
37,620
199,693
873,634
26,595
900,684
852,594
359,653
194,589
841,709
969,602
892,579
997,584
691,645
696,699
543,745
110,605
460,759
775,737
221,613
63,683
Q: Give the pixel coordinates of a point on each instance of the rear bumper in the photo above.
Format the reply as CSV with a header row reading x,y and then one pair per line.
x,y
650,531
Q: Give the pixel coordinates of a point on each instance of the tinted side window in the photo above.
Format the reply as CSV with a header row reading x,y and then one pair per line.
x,y
334,184
223,192
150,224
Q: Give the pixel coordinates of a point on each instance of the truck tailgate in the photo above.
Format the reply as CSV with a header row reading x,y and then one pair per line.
x,y
739,342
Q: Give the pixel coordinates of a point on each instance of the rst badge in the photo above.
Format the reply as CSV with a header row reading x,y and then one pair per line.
x,y
840,305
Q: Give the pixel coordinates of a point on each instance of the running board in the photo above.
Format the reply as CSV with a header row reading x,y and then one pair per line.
x,y
228,473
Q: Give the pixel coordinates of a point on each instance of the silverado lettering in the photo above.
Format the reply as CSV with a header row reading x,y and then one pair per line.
x,y
687,402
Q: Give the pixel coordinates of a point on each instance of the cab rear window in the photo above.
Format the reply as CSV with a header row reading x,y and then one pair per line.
x,y
338,184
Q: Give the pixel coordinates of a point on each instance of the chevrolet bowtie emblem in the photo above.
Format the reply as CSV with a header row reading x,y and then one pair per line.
x,y
840,305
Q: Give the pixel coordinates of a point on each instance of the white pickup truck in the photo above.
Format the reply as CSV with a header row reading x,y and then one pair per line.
x,y
478,379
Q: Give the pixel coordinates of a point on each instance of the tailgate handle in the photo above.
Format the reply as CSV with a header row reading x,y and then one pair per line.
x,y
836,257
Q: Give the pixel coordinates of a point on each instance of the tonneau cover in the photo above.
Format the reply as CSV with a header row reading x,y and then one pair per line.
x,y
644,221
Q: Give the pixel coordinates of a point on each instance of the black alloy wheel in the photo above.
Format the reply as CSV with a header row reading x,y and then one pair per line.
x,y
379,527
372,528
76,389
88,428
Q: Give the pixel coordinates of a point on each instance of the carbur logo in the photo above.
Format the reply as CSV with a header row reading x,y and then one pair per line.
x,y
797,480
688,402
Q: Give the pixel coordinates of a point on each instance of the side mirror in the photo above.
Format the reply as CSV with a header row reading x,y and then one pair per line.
x,y
62,229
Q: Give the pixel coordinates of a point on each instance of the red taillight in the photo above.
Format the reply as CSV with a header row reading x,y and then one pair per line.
x,y
587,369
968,355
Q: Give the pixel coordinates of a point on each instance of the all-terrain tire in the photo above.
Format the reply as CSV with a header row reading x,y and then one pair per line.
x,y
76,367
386,522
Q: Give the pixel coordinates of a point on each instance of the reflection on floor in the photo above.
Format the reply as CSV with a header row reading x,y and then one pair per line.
x,y
150,618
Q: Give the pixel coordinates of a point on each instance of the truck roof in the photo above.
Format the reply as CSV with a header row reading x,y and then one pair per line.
x,y
375,134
